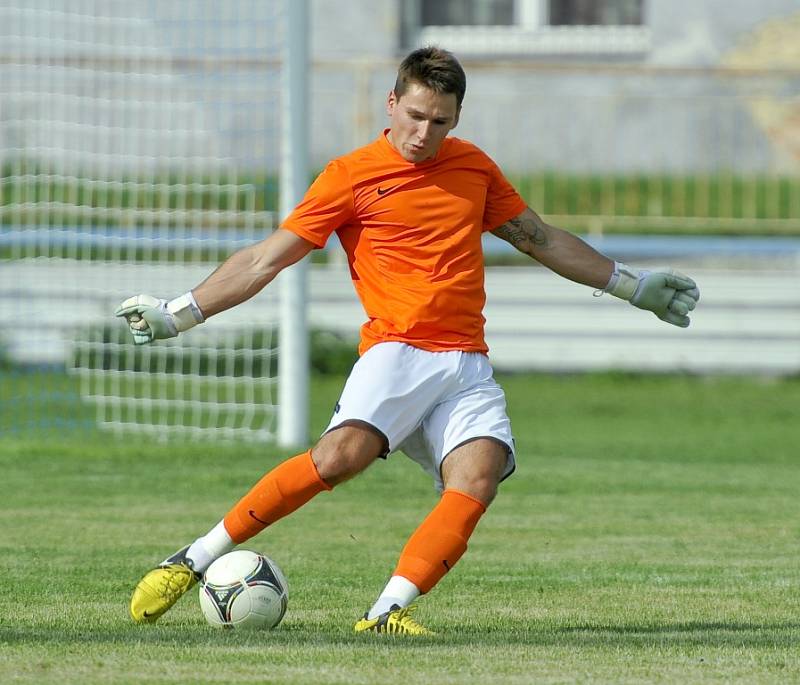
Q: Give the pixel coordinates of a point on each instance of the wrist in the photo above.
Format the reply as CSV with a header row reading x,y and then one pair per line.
x,y
623,282
184,312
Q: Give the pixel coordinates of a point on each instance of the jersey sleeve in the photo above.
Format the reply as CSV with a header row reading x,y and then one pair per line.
x,y
503,202
326,206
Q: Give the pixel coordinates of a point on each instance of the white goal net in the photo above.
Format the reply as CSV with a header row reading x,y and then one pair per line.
x,y
139,146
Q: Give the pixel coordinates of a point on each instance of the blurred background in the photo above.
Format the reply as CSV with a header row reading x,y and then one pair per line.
x,y
141,142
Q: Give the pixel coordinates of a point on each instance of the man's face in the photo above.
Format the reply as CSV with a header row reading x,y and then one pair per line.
x,y
420,120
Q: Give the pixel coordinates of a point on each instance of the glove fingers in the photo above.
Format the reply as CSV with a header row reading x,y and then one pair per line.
x,y
675,319
685,296
679,281
682,303
138,325
678,307
138,330
136,304
140,337
694,293
122,310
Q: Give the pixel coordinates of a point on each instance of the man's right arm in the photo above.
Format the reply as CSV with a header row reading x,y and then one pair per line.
x,y
240,277
249,270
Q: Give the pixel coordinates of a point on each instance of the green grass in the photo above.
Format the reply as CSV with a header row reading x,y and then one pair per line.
x,y
650,534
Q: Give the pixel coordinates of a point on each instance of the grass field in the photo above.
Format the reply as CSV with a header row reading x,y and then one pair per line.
x,y
650,534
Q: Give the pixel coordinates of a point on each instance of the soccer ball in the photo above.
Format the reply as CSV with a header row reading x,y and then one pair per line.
x,y
244,589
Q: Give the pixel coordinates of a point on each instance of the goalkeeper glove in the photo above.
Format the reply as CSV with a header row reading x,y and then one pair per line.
x,y
150,318
669,294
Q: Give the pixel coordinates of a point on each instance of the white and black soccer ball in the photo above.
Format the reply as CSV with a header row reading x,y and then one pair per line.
x,y
244,589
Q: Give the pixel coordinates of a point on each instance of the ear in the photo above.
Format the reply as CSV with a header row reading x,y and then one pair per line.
x,y
391,102
455,121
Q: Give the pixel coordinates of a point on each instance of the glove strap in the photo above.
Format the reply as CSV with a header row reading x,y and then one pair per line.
x,y
185,312
623,282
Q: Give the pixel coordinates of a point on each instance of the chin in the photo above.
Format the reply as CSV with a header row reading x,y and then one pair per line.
x,y
417,157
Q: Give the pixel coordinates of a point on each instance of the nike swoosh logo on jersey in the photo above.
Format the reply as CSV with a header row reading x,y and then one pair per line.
x,y
253,515
383,191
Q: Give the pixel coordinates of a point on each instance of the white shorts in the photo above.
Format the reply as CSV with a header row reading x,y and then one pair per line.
x,y
426,403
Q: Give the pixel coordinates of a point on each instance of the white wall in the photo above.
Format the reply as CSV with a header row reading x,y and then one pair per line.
x,y
748,319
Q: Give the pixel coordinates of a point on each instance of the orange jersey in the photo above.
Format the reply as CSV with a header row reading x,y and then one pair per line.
x,y
412,234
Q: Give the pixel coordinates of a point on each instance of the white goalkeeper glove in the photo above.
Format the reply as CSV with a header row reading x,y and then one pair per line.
x,y
150,318
669,294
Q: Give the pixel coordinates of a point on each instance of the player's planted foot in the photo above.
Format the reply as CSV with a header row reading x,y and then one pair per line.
x,y
162,587
396,621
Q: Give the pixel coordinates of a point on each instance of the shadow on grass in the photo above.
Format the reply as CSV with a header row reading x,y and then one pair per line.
x,y
700,633
299,636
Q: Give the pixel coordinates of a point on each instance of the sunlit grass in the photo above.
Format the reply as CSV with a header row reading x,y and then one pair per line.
x,y
650,534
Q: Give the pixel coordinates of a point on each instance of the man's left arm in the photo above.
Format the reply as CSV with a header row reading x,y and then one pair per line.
x,y
667,293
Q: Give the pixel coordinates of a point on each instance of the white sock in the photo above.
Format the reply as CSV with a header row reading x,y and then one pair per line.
x,y
211,546
398,590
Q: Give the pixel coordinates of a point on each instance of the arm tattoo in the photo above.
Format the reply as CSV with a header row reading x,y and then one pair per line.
x,y
525,233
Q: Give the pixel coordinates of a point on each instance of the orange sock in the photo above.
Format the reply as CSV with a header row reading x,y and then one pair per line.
x,y
440,540
286,488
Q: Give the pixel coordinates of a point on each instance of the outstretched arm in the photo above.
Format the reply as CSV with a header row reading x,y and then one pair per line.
x,y
240,277
249,270
558,250
667,293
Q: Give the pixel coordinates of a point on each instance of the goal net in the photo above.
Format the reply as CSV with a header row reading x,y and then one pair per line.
x,y
139,146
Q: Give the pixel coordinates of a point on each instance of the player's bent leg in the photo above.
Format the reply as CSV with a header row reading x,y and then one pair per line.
x,y
470,473
339,455
161,587
282,490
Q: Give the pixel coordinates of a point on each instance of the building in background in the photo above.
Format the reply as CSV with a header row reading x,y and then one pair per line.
x,y
572,85
620,85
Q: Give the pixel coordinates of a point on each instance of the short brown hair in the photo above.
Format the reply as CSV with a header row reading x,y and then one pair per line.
x,y
433,68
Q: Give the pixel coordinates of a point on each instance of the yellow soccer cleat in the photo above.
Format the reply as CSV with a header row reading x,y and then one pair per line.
x,y
396,621
162,587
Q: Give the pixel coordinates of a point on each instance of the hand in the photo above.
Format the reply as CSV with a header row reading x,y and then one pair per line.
x,y
669,294
148,318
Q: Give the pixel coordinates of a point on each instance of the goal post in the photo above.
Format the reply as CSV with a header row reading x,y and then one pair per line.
x,y
293,378
141,144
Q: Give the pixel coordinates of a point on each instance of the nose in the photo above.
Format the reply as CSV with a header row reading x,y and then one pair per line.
x,y
423,131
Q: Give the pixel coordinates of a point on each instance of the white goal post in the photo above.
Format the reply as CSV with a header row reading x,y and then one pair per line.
x,y
140,144
293,377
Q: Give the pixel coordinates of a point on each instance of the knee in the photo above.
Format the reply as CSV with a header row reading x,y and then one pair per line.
x,y
480,485
482,488
333,466
345,452
476,469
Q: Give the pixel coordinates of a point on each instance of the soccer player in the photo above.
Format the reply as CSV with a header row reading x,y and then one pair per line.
x,y
409,210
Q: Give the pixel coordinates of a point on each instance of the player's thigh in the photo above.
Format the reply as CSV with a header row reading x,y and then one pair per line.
x,y
392,388
347,450
476,467
475,415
